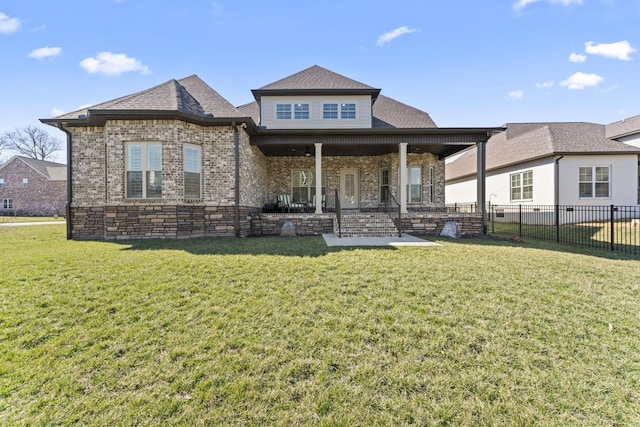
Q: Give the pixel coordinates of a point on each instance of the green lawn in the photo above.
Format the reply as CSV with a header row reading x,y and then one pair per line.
x,y
10,219
285,331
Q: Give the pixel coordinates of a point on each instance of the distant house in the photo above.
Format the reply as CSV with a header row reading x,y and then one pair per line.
x,y
32,187
178,160
554,164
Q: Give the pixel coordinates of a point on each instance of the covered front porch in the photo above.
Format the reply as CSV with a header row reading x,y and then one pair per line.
x,y
362,170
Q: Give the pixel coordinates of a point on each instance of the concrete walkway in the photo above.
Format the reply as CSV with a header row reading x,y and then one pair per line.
x,y
20,224
405,240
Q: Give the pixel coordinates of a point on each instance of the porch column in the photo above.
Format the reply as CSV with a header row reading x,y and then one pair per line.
x,y
402,191
481,181
318,177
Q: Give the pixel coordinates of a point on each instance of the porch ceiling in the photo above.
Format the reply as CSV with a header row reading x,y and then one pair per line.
x,y
368,142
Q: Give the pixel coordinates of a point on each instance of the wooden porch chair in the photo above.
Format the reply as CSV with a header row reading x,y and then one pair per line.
x,y
324,202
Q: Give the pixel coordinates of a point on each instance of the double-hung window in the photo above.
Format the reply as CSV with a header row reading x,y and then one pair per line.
x,y
414,184
25,182
7,203
283,111
144,170
594,181
303,185
192,172
329,111
1,182
301,111
384,185
522,186
347,111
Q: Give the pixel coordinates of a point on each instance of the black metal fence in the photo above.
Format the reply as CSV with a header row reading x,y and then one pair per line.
x,y
614,228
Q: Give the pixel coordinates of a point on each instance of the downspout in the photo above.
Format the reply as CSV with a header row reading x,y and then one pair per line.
x,y
236,148
556,184
69,186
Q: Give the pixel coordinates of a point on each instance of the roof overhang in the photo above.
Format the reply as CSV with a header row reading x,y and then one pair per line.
x,y
100,117
259,93
442,142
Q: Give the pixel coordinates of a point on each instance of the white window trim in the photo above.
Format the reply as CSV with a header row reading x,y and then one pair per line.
x,y
409,184
381,185
7,203
144,163
199,171
594,182
521,186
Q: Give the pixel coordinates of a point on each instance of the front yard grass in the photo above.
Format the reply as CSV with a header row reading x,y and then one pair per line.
x,y
285,331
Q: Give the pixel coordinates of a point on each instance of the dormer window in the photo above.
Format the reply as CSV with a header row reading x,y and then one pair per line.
x,y
347,111
330,111
283,111
301,112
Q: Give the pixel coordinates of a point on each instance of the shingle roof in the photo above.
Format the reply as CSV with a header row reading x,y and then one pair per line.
x,y
315,77
50,170
624,127
389,113
189,96
523,142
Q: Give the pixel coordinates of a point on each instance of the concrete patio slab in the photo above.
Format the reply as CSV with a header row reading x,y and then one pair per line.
x,y
405,240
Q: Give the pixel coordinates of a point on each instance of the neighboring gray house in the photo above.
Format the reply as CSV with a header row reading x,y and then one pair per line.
x,y
554,164
32,187
178,160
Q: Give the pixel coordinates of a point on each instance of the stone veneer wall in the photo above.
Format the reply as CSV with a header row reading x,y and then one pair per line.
x,y
417,223
100,209
279,172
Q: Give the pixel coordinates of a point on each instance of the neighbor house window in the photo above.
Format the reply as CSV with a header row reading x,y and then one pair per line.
x,y
7,203
303,185
329,111
144,171
1,182
414,184
522,186
348,111
301,111
191,172
25,182
384,186
283,111
594,181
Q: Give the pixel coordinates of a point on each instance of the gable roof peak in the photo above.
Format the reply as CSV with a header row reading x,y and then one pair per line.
x,y
316,79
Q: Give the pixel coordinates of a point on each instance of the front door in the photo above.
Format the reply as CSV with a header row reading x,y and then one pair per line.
x,y
349,189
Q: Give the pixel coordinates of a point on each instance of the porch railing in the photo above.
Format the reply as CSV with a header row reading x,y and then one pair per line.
x,y
393,209
338,214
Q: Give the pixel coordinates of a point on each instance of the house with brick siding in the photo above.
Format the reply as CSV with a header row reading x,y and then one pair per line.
x,y
178,160
30,187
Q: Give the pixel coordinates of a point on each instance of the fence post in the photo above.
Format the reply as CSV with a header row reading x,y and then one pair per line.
x,y
611,223
493,219
557,215
520,220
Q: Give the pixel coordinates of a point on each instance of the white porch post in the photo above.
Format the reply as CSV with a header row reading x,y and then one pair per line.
x,y
318,177
402,191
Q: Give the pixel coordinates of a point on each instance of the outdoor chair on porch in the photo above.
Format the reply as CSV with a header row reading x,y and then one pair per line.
x,y
284,202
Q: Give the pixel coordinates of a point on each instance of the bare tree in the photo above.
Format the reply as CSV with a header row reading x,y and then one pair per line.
x,y
31,141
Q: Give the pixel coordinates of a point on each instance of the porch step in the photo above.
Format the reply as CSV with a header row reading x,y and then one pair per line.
x,y
376,224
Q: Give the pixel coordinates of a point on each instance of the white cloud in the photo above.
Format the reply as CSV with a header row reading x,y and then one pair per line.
x,y
579,81
113,64
55,112
8,25
387,37
620,50
545,85
521,4
575,57
45,52
516,94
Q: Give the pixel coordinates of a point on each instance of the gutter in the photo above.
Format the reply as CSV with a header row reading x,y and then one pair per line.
x,y
556,171
69,186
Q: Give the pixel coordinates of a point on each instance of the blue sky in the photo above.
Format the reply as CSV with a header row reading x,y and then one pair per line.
x,y
465,62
